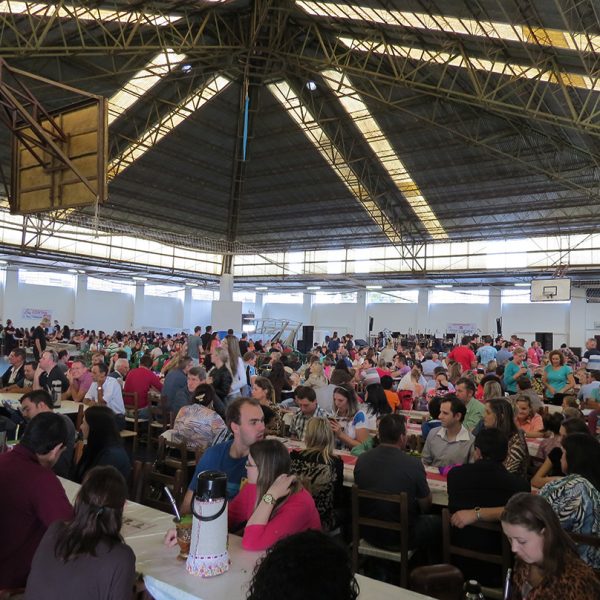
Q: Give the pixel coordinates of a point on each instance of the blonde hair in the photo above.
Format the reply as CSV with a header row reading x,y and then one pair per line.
x,y
318,436
491,389
223,356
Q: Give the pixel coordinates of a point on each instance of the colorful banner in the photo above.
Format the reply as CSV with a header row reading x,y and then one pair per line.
x,y
36,313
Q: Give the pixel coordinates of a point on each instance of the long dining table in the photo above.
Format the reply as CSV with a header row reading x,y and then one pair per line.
x,y
166,577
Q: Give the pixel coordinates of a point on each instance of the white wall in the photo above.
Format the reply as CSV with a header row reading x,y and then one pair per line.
x,y
106,311
111,310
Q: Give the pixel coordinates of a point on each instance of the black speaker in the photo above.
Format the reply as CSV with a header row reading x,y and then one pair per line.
x,y
307,336
370,324
546,341
499,325
302,347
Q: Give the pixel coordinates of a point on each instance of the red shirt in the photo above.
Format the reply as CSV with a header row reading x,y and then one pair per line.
x,y
32,498
464,356
140,380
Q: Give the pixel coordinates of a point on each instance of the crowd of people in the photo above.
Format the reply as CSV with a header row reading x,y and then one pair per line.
x,y
234,400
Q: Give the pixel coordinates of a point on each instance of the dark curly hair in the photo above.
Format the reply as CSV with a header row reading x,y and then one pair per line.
x,y
293,569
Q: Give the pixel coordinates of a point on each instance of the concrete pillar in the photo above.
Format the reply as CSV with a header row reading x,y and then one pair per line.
x,y
361,318
577,318
307,303
494,311
79,309
258,305
226,287
3,271
138,306
11,291
187,310
422,324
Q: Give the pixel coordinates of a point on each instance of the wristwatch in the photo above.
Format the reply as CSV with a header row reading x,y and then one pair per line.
x,y
268,499
478,513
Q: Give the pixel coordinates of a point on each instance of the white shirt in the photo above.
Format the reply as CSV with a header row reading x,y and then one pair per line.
x,y
111,393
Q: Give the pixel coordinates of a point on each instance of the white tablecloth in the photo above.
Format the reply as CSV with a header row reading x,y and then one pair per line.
x,y
167,579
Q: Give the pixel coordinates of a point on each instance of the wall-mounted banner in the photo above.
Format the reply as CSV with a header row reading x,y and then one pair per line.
x,y
36,313
461,328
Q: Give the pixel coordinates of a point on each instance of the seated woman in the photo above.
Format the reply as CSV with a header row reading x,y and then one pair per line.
x,y
272,505
499,413
547,566
551,468
341,374
279,380
576,497
376,403
263,391
552,423
527,420
86,557
349,423
198,423
316,376
104,444
323,472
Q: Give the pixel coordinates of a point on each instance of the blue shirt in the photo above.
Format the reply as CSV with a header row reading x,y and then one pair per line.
x,y
174,381
485,354
503,356
557,378
217,458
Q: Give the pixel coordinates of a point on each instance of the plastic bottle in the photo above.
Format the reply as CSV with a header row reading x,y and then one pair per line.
x,y
56,393
472,591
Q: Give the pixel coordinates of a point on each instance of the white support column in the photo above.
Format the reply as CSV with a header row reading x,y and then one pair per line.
x,y
422,324
577,318
258,305
80,306
187,309
226,288
138,306
361,318
3,272
307,303
10,309
494,311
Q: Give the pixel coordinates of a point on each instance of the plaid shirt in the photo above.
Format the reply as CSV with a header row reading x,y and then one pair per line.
x,y
300,420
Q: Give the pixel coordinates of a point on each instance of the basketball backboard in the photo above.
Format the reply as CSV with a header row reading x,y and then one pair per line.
x,y
551,290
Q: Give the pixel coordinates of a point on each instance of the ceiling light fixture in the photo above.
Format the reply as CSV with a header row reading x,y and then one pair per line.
x,y
442,286
140,278
373,287
522,285
313,287
186,68
261,289
72,270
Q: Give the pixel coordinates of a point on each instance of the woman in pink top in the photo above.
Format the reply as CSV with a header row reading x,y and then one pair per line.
x,y
527,420
272,504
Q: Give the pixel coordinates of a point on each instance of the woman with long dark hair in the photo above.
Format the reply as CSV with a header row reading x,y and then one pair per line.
x,y
272,504
104,444
86,557
279,379
499,413
547,566
576,497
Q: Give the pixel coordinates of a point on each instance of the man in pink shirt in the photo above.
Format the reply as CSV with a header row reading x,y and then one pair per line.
x,y
80,380
141,380
463,355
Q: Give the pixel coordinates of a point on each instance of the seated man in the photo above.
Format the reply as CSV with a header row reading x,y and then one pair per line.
x,y
465,391
15,374
51,373
450,444
141,381
27,383
120,371
39,401
80,380
63,361
474,490
388,469
306,399
106,390
32,497
246,421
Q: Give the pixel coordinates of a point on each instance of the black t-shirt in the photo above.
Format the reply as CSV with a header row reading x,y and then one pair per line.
x,y
56,374
38,334
205,337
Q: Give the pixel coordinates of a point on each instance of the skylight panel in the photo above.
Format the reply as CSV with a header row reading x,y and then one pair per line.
x,y
320,140
374,136
555,38
141,82
82,13
466,62
158,131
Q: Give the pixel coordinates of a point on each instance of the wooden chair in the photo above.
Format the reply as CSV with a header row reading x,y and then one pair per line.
x,y
362,547
151,492
160,418
175,455
503,560
79,417
132,417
